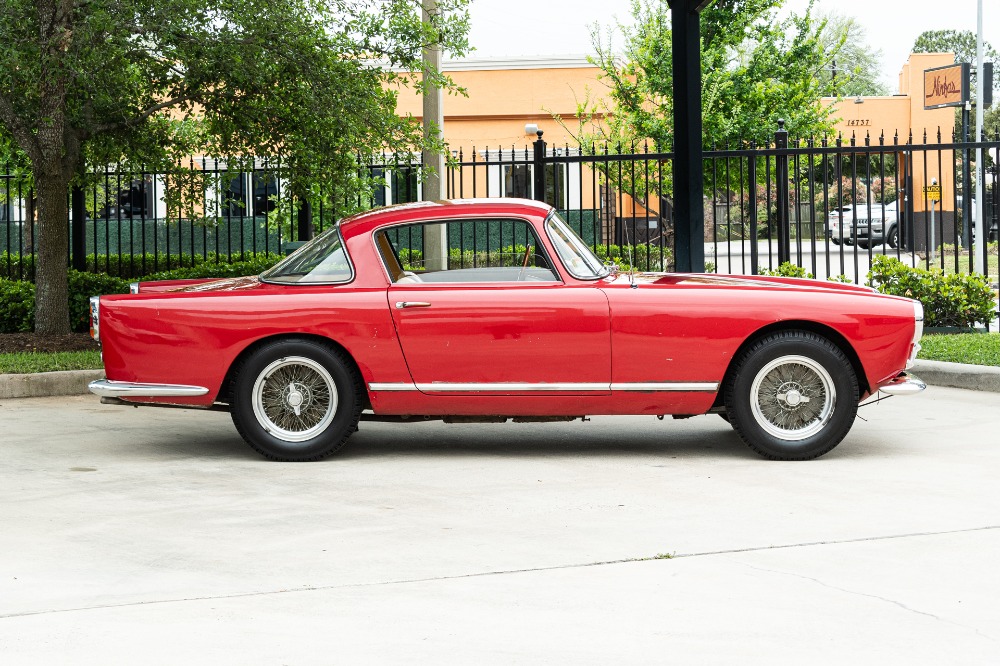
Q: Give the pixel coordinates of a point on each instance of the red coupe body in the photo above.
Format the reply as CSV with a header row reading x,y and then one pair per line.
x,y
483,343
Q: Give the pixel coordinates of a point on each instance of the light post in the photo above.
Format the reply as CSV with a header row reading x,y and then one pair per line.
x,y
933,202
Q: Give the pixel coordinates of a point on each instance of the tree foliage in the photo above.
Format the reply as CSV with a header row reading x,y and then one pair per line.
x,y
960,42
854,64
89,82
756,68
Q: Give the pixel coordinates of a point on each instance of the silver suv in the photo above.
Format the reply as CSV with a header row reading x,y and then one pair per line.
x,y
864,224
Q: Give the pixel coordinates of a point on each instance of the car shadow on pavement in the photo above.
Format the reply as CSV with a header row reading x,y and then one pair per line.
x,y
544,439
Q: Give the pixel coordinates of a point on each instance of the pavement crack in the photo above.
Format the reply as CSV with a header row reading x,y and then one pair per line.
x,y
506,572
877,597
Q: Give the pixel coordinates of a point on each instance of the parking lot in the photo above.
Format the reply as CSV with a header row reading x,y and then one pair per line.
x,y
157,535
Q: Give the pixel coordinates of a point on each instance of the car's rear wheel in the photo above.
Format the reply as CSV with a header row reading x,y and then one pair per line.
x,y
792,395
296,400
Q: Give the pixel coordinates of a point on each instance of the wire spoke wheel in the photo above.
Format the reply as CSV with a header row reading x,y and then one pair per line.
x,y
793,397
294,398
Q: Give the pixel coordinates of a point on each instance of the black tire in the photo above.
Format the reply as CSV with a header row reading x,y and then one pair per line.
x,y
819,402
892,238
835,241
296,400
863,244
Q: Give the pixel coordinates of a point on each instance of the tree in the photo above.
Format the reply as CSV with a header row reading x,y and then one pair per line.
x,y
756,68
89,82
960,42
854,64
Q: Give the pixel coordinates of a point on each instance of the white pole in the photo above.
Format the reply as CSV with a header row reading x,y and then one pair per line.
x,y
435,235
980,112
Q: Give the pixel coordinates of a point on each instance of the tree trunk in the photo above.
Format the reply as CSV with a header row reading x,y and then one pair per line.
x,y
51,286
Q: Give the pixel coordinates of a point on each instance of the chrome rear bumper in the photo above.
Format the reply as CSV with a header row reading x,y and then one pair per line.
x,y
904,384
107,388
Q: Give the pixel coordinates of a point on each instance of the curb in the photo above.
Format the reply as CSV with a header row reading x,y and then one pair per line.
x,y
74,382
959,375
47,384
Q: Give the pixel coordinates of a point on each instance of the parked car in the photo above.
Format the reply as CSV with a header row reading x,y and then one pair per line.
x,y
877,224
521,321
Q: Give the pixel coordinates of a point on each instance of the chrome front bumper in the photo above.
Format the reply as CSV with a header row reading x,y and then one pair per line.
x,y
107,388
904,384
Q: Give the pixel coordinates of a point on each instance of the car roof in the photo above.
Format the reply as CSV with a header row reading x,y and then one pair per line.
x,y
442,210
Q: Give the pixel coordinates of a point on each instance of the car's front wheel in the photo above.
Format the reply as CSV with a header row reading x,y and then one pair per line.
x,y
792,395
296,400
892,238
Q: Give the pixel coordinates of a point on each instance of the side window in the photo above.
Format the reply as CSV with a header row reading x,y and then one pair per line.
x,y
481,250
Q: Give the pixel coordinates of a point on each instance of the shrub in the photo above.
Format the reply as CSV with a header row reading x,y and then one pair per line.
x,y
787,269
139,266
17,306
84,285
17,297
958,299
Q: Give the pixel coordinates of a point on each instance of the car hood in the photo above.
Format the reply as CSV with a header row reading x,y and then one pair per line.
x,y
227,284
740,281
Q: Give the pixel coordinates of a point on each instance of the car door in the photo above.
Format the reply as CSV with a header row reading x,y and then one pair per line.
x,y
511,328
504,338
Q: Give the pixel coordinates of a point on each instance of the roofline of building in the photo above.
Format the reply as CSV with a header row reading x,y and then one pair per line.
x,y
518,62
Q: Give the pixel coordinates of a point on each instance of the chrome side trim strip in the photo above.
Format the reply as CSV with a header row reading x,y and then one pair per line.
x,y
107,388
509,386
376,386
453,387
667,386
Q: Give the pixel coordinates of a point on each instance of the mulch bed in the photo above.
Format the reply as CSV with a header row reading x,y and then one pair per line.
x,y
12,343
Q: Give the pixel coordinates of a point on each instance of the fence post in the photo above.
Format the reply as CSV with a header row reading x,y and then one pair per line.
x,y
781,168
78,245
539,168
305,220
752,182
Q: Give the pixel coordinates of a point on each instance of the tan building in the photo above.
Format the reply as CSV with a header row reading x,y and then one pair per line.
x,y
894,118
509,99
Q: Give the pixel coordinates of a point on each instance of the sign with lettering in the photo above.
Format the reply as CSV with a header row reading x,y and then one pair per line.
x,y
946,86
932,190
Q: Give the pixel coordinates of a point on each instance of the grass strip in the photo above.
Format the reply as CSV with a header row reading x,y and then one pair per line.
x,y
28,362
975,348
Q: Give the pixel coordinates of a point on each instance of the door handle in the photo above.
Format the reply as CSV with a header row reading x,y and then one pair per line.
x,y
412,304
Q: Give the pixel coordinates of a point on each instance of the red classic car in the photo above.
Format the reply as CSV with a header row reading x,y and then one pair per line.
x,y
491,310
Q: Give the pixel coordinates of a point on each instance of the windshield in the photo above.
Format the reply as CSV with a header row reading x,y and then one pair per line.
x,y
321,260
574,253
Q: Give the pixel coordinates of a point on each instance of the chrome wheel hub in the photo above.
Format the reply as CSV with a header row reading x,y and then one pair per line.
x,y
294,398
793,398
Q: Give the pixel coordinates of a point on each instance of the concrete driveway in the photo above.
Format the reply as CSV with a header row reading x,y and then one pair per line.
x,y
157,536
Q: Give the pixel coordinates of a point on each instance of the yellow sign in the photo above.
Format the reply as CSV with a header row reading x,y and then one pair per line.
x,y
932,190
946,86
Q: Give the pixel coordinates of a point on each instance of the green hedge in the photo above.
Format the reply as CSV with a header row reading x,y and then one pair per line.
x,y
17,297
643,258
15,267
957,299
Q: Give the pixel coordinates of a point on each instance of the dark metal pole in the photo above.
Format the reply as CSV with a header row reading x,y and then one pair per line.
x,y
689,204
781,167
78,244
305,220
539,168
966,181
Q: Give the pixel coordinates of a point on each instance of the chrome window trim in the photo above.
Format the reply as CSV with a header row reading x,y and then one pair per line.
x,y
548,234
472,218
499,387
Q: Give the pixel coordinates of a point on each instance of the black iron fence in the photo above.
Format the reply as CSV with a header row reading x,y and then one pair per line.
x,y
828,206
